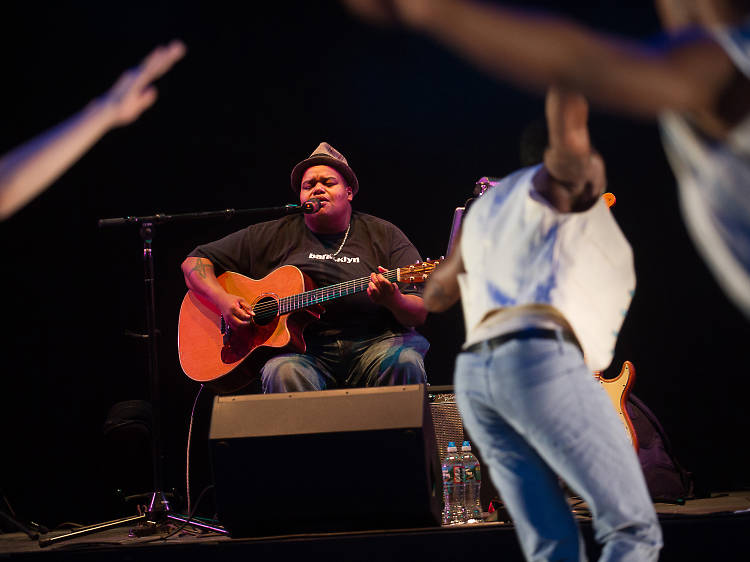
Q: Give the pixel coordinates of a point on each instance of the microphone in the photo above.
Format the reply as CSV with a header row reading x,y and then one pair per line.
x,y
311,206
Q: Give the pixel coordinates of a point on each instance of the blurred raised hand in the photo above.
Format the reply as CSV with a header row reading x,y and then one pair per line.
x,y
29,169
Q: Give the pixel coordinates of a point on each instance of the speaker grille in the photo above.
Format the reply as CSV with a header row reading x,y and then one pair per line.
x,y
445,418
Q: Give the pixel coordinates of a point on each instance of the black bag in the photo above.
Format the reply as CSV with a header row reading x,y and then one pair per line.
x,y
666,479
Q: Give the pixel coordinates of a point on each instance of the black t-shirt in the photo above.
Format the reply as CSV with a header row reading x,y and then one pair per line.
x,y
261,248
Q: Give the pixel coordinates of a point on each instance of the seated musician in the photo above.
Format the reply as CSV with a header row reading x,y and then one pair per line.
x,y
360,340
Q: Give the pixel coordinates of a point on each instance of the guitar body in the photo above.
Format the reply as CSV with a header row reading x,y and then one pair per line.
x,y
618,390
229,362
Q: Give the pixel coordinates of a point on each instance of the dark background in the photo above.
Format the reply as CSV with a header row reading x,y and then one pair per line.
x,y
258,90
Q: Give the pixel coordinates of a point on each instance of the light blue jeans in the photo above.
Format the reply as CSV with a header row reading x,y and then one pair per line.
x,y
538,415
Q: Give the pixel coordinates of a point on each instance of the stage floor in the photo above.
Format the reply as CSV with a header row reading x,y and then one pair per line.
x,y
715,528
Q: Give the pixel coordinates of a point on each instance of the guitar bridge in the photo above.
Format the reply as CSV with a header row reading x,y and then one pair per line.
x,y
226,330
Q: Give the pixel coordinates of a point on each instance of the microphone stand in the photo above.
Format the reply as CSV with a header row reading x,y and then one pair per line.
x,y
265,213
158,514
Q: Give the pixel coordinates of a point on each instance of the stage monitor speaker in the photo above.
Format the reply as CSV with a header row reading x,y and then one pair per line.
x,y
332,460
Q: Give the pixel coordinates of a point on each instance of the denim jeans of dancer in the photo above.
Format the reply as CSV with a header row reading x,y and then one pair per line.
x,y
537,414
388,359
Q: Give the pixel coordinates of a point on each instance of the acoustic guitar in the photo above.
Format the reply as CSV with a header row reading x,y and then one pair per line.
x,y
284,303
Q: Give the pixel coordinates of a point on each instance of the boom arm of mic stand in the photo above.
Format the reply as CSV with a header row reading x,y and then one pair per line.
x,y
160,218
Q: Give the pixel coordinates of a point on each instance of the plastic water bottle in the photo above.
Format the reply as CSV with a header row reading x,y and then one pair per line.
x,y
472,477
453,487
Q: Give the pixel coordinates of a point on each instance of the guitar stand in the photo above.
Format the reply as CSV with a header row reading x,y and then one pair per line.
x,y
153,521
11,521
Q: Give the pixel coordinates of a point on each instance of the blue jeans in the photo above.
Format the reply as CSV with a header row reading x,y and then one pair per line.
x,y
537,414
388,359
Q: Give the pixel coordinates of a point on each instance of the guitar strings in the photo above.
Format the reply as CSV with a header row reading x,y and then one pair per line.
x,y
320,294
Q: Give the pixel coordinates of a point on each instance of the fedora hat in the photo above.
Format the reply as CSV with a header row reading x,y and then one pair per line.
x,y
325,155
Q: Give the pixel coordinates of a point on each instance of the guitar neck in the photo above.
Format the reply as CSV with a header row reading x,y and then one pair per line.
x,y
324,294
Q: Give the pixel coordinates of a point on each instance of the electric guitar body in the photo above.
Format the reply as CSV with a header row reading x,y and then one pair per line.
x,y
618,390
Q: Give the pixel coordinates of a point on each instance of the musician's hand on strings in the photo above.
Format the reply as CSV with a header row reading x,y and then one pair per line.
x,y
236,311
381,291
408,309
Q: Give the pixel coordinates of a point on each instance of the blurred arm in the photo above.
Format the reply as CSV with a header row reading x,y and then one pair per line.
x,y
29,169
442,289
535,50
573,176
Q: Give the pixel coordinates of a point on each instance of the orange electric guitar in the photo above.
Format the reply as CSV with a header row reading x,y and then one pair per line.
x,y
284,302
618,390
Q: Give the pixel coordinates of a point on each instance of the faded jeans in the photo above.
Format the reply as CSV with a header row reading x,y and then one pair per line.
x,y
538,415
388,359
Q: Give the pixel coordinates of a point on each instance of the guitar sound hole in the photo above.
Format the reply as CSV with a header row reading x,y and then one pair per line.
x,y
266,309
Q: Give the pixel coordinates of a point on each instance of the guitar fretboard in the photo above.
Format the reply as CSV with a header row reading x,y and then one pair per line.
x,y
323,294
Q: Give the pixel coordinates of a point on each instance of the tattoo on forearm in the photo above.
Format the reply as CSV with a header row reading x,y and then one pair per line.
x,y
200,268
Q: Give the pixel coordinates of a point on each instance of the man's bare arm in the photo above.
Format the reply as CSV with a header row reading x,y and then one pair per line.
x,y
535,50
573,176
29,169
409,310
442,290
201,279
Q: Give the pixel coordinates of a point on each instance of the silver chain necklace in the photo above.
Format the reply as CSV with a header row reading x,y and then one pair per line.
x,y
346,235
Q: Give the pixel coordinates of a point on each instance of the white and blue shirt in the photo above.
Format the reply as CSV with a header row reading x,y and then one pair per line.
x,y
518,250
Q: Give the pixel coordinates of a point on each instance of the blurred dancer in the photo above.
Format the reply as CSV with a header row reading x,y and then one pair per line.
x,y
696,83
545,278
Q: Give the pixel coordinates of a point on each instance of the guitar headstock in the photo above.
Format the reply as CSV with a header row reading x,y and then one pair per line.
x,y
417,272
